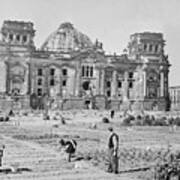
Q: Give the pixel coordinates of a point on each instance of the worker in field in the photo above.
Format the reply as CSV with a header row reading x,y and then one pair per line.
x,y
113,145
70,147
1,154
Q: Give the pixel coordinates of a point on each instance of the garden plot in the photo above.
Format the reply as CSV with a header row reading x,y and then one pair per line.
x,y
33,144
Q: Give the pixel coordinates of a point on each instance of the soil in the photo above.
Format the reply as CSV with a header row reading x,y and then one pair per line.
x,y
33,152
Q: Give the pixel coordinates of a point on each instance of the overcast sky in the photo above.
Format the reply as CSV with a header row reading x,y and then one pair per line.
x,y
111,21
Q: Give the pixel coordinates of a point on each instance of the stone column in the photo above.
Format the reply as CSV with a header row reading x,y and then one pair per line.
x,y
3,76
7,78
144,84
60,82
97,75
126,86
102,77
46,79
162,84
166,84
33,79
77,80
114,84
25,85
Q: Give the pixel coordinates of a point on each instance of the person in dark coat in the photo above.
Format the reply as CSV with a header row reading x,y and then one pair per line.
x,y
113,146
112,114
70,147
1,154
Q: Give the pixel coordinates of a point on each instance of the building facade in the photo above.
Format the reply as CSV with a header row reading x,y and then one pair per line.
x,y
174,92
70,71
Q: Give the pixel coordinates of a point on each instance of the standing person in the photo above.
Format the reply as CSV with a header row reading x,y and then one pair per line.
x,y
1,154
112,114
70,147
113,145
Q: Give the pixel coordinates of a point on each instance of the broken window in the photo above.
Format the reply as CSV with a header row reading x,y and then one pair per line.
x,y
130,84
131,74
87,71
52,71
39,91
145,47
119,84
64,72
108,84
108,93
18,37
150,47
24,38
64,83
91,71
11,37
40,72
39,81
156,48
52,82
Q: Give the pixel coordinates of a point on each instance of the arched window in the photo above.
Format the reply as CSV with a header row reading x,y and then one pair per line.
x,y
119,84
108,93
108,84
145,47
17,37
130,84
87,71
52,82
156,48
150,47
39,82
64,82
24,38
39,91
91,71
39,72
64,72
11,37
52,71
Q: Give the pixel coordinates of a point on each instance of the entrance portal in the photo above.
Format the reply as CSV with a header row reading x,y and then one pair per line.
x,y
85,85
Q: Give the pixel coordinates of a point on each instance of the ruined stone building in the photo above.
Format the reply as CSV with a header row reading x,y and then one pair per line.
x,y
71,71
174,92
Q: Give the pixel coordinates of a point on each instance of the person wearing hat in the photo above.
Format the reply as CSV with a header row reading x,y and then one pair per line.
x,y
113,145
70,147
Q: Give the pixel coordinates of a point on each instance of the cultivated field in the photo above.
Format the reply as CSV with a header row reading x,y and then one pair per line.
x,y
33,152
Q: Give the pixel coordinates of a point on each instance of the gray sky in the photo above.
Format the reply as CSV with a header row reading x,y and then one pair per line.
x,y
111,21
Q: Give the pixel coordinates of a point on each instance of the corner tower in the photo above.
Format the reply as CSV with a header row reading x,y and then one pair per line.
x,y
18,35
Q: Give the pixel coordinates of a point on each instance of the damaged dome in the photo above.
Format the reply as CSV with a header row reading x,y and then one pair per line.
x,y
66,38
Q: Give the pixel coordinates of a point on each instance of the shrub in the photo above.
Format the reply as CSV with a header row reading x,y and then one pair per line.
x,y
171,121
147,121
47,117
160,122
177,121
1,119
139,117
6,118
25,113
128,120
105,120
138,122
63,120
11,113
